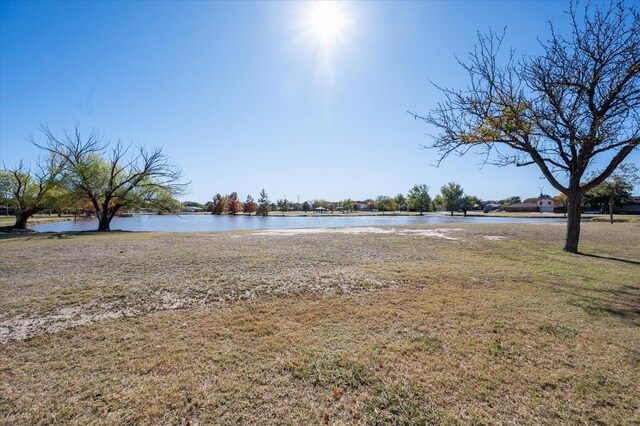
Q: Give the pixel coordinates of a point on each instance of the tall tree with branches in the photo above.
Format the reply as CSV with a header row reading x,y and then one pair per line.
x,y
116,178
563,110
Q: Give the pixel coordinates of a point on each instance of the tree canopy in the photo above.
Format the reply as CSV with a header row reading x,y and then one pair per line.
x,y
452,196
419,199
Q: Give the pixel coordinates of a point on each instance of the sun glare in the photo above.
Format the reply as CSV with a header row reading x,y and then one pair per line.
x,y
325,31
327,21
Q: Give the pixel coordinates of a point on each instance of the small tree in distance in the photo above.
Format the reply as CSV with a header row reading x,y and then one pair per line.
x,y
401,202
616,188
233,205
249,206
418,199
515,199
453,197
560,200
437,202
283,205
263,204
219,204
561,110
346,205
466,204
385,203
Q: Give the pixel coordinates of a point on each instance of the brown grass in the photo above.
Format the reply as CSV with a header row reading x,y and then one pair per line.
x,y
328,328
34,220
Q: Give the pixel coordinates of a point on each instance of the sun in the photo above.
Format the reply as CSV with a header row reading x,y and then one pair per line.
x,y
327,21
325,32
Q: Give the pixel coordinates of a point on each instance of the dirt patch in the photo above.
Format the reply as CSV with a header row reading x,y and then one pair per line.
x,y
50,283
493,237
25,327
445,233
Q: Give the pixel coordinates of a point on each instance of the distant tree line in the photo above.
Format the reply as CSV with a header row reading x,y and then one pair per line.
x,y
452,198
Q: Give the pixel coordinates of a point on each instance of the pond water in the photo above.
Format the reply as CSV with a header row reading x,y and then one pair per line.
x,y
211,223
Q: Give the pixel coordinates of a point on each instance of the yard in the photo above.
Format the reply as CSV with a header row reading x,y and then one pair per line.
x,y
421,325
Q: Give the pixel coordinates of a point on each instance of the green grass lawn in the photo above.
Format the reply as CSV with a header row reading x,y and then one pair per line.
x,y
434,324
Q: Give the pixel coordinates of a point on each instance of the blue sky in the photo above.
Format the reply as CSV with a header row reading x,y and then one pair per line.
x,y
242,96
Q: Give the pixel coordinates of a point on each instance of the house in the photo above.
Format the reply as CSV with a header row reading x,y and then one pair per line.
x,y
489,207
192,209
522,207
632,206
545,205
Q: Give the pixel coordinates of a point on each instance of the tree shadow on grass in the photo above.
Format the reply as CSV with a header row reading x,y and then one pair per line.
x,y
30,235
617,259
622,302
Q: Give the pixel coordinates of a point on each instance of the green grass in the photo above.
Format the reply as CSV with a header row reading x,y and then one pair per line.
x,y
128,328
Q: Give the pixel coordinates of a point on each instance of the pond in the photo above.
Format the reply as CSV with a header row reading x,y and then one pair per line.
x,y
211,223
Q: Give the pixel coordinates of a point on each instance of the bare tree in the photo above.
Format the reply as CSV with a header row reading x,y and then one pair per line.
x,y
30,191
562,110
116,178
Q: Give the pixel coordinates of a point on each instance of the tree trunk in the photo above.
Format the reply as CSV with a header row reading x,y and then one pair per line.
x,y
451,212
103,221
21,220
574,200
611,209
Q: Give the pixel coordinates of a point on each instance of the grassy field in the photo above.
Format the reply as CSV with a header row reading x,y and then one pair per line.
x,y
469,324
